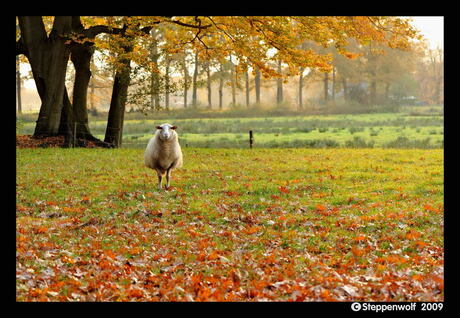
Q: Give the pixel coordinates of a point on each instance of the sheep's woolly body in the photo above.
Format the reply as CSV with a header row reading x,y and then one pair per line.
x,y
162,155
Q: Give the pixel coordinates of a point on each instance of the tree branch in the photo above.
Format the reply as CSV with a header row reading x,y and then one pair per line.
x,y
94,30
225,32
190,25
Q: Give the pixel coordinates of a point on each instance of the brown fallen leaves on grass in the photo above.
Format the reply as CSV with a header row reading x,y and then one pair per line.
x,y
95,229
26,141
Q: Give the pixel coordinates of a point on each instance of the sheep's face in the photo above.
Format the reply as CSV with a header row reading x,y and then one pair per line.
x,y
166,131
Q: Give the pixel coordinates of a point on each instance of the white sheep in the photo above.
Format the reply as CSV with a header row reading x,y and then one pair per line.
x,y
163,152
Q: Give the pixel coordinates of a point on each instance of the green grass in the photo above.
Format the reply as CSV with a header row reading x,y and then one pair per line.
x,y
387,130
238,224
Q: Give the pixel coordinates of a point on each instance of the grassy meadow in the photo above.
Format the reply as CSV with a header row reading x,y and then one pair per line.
x,y
335,224
408,129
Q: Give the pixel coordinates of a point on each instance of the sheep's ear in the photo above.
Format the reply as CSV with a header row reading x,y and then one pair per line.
x,y
158,127
173,127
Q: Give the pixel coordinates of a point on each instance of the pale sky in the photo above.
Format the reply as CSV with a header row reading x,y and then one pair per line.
x,y
431,27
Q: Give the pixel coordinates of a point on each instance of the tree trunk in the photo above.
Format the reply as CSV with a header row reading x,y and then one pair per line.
x,y
208,74
440,82
279,86
333,84
92,86
81,59
221,85
18,85
233,81
345,89
48,57
155,79
92,104
301,88
67,123
387,92
373,92
114,131
184,65
326,87
247,88
167,79
194,83
257,84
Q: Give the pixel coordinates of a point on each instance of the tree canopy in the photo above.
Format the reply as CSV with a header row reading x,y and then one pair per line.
x,y
257,42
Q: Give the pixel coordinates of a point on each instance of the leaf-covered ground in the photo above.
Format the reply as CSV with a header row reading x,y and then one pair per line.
x,y
238,225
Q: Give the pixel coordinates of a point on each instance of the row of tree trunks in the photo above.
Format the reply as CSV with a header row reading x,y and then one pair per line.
x,y
333,88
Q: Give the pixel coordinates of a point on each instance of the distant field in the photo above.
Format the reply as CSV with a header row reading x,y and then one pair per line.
x,y
385,130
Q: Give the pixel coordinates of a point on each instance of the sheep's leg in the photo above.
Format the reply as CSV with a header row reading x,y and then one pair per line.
x,y
168,177
160,178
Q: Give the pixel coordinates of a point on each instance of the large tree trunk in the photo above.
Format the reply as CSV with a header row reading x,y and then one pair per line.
x,y
81,55
48,57
326,87
81,58
194,82
257,84
67,124
114,131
